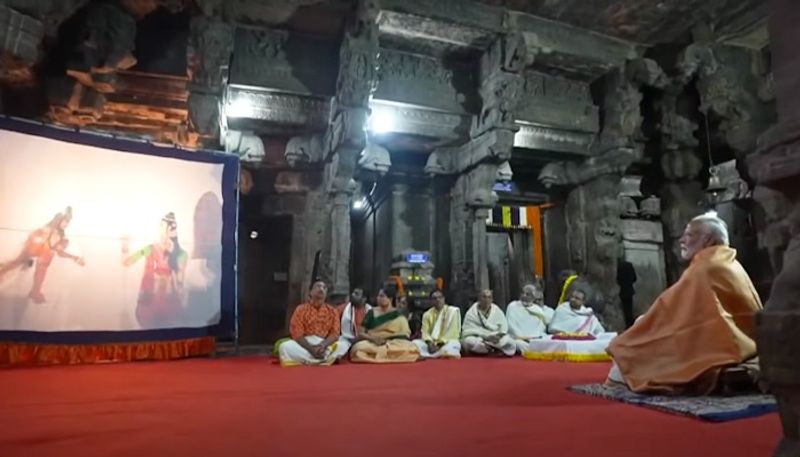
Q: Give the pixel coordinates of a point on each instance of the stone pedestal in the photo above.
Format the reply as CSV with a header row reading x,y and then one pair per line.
x,y
643,243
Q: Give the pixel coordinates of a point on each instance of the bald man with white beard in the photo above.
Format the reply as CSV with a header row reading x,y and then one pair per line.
x,y
528,317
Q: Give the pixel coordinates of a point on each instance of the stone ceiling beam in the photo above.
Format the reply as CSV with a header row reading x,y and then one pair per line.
x,y
453,26
575,50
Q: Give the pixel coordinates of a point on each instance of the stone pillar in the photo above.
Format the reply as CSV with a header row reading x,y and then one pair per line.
x,y
777,165
682,195
594,226
595,242
491,141
344,140
208,56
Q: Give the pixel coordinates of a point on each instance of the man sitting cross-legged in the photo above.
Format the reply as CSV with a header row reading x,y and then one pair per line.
x,y
352,315
441,327
697,328
573,317
528,317
485,328
314,328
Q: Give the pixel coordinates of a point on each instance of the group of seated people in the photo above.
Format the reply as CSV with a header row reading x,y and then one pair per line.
x,y
694,332
321,333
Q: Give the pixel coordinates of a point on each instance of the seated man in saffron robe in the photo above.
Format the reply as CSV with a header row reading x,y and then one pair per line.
x,y
441,329
574,317
352,314
528,317
485,328
384,335
701,325
314,329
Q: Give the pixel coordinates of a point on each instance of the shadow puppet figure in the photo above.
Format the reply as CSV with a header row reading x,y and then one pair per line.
x,y
41,246
161,291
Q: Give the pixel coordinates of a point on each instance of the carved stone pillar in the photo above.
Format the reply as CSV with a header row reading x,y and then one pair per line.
x,y
208,57
594,226
736,96
336,252
682,195
777,165
477,162
473,198
344,141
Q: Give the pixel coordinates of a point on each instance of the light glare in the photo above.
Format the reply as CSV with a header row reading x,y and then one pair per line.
x,y
239,108
359,203
382,121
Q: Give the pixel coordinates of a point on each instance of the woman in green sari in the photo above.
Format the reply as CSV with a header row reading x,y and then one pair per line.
x,y
385,335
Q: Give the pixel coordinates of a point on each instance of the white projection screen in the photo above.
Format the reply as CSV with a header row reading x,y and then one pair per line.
x,y
95,239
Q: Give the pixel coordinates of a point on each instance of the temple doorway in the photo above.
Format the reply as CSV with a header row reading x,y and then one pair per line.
x,y
264,256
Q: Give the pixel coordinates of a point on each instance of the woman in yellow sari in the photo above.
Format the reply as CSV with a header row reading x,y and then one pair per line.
x,y
385,335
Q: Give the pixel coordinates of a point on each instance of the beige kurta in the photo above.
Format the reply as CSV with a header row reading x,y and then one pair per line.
x,y
701,324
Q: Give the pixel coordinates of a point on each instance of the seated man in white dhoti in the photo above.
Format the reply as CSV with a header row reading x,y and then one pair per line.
x,y
485,328
352,315
314,328
577,335
528,317
572,317
441,328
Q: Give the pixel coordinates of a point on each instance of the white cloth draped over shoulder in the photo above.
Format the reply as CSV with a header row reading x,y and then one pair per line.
x,y
442,327
477,327
349,328
527,322
568,320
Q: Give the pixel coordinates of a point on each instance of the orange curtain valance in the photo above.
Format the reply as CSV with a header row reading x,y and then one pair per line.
x,y
19,354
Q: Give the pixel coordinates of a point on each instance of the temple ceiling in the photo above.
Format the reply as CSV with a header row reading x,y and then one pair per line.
x,y
646,22
280,60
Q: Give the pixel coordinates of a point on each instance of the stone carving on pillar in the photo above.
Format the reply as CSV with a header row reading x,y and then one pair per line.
x,y
593,207
776,165
375,158
504,172
208,56
248,146
731,92
770,213
304,148
682,194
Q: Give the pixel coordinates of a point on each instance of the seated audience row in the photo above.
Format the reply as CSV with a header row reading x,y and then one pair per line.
x,y
320,333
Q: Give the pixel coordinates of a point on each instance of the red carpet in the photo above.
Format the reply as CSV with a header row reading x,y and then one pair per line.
x,y
251,407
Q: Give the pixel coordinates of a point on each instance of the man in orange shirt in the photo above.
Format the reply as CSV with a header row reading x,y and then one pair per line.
x,y
315,329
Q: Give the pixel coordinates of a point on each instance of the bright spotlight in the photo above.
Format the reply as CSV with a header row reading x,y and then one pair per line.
x,y
253,235
381,121
359,203
239,108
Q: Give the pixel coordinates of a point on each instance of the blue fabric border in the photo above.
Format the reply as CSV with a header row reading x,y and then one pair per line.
x,y
230,195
